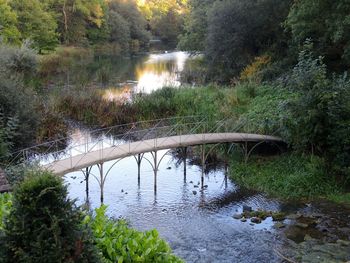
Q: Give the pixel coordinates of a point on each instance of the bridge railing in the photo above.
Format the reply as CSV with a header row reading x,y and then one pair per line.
x,y
123,134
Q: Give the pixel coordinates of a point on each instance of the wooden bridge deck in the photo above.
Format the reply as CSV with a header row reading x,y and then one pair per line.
x,y
81,161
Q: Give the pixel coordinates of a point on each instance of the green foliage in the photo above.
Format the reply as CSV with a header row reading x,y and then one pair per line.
x,y
317,120
265,111
326,22
17,103
18,63
165,18
119,243
44,225
7,133
288,176
131,19
36,24
195,26
119,30
238,31
5,206
8,24
169,26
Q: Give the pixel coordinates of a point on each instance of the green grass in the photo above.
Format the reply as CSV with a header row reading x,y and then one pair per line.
x,y
341,198
288,176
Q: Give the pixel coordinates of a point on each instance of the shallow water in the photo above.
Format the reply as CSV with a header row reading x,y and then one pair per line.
x,y
198,224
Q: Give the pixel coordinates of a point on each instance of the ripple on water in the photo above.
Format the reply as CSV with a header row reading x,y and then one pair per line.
x,y
199,227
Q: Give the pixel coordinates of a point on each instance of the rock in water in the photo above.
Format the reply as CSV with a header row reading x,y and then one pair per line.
x,y
237,216
255,220
302,225
194,192
247,208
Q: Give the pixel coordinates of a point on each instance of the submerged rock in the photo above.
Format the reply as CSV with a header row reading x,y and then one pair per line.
x,y
255,220
279,225
302,225
247,208
293,216
237,216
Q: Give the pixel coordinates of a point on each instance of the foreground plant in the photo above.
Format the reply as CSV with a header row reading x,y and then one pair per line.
x,y
44,225
119,243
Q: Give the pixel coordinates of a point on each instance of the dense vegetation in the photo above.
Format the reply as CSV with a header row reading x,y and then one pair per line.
x,y
115,25
278,65
39,223
300,48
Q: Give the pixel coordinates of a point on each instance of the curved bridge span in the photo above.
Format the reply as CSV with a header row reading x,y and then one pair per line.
x,y
135,139
78,162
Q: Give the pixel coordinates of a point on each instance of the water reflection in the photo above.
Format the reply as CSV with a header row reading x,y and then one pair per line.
x,y
120,77
197,223
160,70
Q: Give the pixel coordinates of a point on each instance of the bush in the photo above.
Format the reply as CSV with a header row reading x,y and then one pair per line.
x,y
5,206
18,62
317,119
119,243
44,225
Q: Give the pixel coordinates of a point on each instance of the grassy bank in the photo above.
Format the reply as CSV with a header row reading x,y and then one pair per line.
x,y
215,102
262,107
289,176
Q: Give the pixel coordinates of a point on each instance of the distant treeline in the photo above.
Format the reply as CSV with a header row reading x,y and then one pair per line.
x,y
232,33
119,24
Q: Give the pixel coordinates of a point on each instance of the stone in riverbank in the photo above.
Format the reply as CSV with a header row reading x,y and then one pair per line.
x,y
4,185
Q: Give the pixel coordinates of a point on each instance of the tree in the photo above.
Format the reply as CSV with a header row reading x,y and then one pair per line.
x,y
75,17
238,31
169,26
327,23
165,17
119,30
36,24
8,24
195,26
130,13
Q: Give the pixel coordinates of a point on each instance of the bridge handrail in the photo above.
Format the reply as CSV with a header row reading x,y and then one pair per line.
x,y
53,149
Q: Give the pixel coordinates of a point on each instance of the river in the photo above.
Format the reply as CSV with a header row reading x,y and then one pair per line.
x,y
198,225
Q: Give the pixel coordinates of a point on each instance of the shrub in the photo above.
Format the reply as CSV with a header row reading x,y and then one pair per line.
x,y
5,206
251,72
119,243
317,119
44,225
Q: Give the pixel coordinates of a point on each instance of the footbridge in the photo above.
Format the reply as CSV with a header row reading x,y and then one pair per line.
x,y
135,139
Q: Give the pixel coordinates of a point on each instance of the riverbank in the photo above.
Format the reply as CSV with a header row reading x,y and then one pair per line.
x,y
290,176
